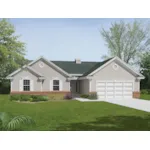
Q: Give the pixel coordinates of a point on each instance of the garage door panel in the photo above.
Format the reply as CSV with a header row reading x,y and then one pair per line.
x,y
110,89
110,84
118,92
101,97
101,84
101,89
128,88
110,93
127,84
118,84
110,96
118,88
101,93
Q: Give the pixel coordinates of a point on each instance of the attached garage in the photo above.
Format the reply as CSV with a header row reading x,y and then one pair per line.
x,y
114,89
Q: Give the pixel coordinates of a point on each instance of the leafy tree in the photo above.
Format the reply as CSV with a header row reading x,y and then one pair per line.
x,y
127,40
8,122
145,70
12,52
11,49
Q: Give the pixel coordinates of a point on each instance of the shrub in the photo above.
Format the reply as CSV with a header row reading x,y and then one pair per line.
x,y
145,91
37,98
68,96
25,97
93,96
31,98
84,96
14,97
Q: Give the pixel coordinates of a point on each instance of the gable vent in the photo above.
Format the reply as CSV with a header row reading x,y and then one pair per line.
x,y
77,61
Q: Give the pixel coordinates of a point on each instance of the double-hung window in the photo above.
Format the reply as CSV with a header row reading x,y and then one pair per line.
x,y
26,85
56,85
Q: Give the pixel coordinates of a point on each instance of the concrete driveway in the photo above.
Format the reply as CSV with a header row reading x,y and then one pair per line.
x,y
132,103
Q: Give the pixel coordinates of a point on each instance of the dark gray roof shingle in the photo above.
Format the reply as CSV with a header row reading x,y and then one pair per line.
x,y
84,68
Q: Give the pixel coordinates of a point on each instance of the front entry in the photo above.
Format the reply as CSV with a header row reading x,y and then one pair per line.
x,y
75,86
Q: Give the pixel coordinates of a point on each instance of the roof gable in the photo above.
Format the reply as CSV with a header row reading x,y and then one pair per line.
x,y
72,68
129,68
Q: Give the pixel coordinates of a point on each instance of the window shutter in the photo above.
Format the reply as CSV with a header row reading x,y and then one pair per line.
x,y
31,85
51,85
20,85
60,85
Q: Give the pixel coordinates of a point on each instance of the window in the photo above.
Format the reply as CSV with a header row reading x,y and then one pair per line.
x,y
55,85
26,85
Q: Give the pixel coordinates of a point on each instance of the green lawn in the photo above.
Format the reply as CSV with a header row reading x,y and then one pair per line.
x,y
145,96
75,115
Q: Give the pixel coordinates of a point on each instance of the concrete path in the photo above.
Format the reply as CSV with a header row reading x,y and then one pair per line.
x,y
132,103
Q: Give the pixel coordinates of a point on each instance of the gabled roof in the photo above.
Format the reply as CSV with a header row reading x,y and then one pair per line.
x,y
129,68
97,65
25,67
49,63
72,68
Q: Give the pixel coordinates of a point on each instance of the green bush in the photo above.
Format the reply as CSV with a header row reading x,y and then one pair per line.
x,y
145,91
37,98
93,96
84,96
14,97
31,98
25,97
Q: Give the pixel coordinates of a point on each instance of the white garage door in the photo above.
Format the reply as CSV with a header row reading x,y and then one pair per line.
x,y
117,89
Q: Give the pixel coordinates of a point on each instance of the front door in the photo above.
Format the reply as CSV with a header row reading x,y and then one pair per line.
x,y
74,86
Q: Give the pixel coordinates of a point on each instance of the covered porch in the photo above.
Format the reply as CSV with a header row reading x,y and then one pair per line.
x,y
79,86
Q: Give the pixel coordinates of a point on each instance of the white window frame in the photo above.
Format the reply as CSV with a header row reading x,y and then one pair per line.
x,y
26,85
55,85
21,85
51,84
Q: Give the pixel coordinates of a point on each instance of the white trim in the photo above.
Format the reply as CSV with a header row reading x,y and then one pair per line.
x,y
69,86
72,78
50,85
50,63
141,78
116,58
90,85
28,66
83,78
60,84
41,86
11,85
21,69
31,85
76,74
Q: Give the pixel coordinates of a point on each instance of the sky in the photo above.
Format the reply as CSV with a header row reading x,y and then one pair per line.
x,y
64,39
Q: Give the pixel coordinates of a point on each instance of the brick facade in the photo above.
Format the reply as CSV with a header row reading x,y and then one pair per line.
x,y
39,92
136,94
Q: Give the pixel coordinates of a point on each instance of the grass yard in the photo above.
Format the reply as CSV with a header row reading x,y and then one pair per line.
x,y
79,116
145,96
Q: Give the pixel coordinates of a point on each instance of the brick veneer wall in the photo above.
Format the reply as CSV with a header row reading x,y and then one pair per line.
x,y
136,94
39,92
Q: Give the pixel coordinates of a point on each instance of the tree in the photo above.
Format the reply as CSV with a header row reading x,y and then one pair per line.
x,y
10,123
127,40
145,70
12,52
11,49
